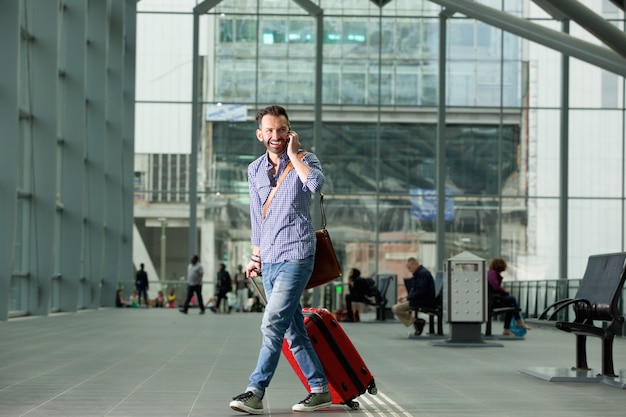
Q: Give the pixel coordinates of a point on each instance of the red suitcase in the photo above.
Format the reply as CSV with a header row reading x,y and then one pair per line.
x,y
347,374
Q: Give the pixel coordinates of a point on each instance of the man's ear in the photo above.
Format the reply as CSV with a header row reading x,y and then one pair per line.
x,y
259,135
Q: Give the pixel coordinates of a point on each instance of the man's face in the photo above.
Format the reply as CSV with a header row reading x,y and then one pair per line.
x,y
412,266
273,133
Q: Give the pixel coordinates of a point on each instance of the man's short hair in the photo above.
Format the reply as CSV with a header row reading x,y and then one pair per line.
x,y
274,110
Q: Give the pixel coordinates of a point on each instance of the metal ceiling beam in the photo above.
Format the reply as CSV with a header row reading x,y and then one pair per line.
x,y
577,48
311,8
594,23
380,3
205,6
199,10
619,3
551,10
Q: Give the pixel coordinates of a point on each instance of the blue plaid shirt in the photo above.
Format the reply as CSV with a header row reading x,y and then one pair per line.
x,y
286,233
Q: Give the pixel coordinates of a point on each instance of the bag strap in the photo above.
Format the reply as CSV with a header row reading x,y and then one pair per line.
x,y
288,168
322,211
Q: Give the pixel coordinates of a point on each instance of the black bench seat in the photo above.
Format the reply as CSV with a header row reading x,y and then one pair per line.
x,y
380,301
381,305
597,299
495,308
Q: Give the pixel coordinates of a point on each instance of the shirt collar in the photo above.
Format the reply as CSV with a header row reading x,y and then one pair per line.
x,y
284,160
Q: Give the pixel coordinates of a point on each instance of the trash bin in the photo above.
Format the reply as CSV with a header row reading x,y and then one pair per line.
x,y
465,299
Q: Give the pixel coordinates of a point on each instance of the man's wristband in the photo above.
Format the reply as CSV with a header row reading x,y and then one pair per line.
x,y
255,258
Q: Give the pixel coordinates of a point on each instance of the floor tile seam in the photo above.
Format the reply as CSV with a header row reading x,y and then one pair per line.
x,y
63,392
67,364
84,380
135,389
223,349
179,352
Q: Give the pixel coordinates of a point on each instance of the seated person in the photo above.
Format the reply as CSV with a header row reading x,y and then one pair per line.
x,y
119,299
133,301
361,289
159,301
501,297
421,294
171,299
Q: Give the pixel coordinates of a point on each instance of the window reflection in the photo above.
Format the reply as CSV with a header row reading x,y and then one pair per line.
x,y
351,61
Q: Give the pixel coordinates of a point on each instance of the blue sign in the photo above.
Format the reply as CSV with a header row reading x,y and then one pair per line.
x,y
424,205
226,113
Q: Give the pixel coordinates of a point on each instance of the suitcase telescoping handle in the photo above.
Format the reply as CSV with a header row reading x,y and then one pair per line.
x,y
260,292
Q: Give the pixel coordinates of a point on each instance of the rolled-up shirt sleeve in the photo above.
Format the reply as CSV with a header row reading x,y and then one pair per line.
x,y
315,179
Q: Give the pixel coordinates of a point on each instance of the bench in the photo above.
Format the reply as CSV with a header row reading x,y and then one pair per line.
x,y
496,308
380,301
597,299
380,304
434,311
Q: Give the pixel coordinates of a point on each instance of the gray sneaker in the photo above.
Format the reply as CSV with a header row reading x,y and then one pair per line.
x,y
313,401
247,403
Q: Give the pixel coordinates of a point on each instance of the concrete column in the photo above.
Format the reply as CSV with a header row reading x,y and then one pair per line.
x,y
95,82
72,143
42,71
128,133
207,257
113,269
9,41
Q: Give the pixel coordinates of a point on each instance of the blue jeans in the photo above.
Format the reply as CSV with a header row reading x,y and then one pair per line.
x,y
509,300
284,284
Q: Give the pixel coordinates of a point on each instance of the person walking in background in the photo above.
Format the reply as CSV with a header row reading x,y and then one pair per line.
x,y
224,285
421,294
194,284
141,283
501,297
242,288
283,249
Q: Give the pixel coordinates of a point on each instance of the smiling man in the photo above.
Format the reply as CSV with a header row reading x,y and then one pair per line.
x,y
283,250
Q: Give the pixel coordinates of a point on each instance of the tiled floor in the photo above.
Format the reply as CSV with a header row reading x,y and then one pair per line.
x,y
139,362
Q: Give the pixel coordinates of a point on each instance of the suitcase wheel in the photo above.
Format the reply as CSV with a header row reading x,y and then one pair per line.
x,y
372,388
353,405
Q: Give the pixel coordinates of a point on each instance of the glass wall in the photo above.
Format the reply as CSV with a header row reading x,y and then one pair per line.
x,y
368,60
378,143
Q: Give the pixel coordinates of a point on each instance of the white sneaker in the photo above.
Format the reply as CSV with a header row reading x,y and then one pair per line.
x,y
247,403
313,401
